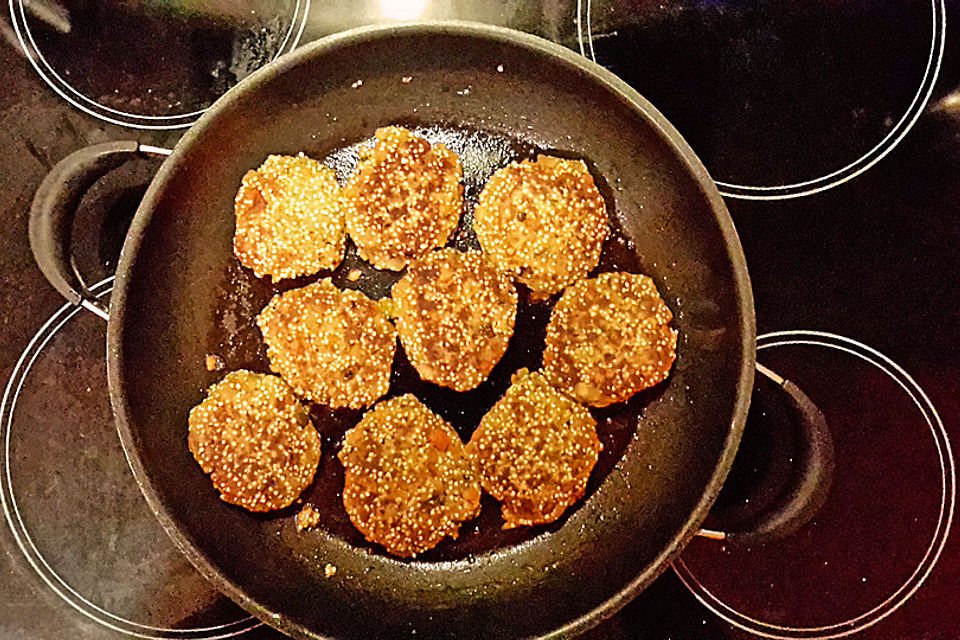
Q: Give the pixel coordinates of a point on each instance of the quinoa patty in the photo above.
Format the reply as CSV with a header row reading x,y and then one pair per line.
x,y
536,448
254,438
608,338
455,316
333,347
543,222
404,200
408,481
289,222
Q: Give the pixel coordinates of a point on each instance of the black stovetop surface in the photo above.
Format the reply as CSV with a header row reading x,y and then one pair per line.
x,y
876,259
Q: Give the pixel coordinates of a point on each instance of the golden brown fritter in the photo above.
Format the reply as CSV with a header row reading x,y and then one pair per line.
x,y
543,222
455,316
255,439
536,448
408,481
404,200
333,347
608,338
289,222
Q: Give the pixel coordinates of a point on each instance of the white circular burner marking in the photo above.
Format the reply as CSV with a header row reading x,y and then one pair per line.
x,y
948,499
22,536
855,168
18,17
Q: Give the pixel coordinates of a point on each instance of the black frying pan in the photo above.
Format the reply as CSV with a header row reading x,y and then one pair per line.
x,y
494,95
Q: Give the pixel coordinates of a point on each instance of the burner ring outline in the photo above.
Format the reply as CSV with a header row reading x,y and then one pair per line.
x,y
942,531
22,537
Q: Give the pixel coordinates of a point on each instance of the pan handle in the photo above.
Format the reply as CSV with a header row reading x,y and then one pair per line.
x,y
55,205
811,476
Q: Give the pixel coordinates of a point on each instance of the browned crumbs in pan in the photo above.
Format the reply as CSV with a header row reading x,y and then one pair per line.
x,y
543,222
409,482
608,338
307,518
213,362
255,440
404,200
333,347
455,316
536,448
288,220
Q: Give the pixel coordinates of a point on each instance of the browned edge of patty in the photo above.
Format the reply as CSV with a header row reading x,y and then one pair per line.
x,y
254,438
543,222
334,347
408,481
455,316
288,218
405,198
536,449
608,338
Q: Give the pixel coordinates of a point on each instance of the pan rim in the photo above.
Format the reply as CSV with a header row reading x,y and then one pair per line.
x,y
480,31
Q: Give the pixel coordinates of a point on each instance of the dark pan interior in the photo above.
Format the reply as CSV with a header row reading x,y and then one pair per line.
x,y
181,295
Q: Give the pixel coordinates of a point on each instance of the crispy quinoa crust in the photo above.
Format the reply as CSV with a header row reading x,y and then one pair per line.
x,y
408,481
608,338
254,438
288,220
455,316
536,448
333,347
543,222
404,200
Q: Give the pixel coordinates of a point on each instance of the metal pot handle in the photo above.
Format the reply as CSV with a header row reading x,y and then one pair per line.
x,y
55,205
812,476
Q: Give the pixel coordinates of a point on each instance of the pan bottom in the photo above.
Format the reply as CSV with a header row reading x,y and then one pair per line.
x,y
237,340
